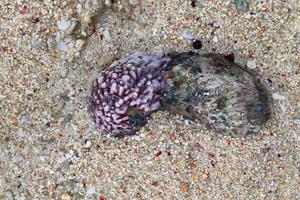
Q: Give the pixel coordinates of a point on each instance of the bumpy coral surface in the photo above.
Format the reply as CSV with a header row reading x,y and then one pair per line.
x,y
125,93
222,95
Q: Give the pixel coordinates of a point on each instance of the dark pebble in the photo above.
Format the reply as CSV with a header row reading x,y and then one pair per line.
x,y
34,20
193,3
197,44
113,1
230,57
48,124
269,81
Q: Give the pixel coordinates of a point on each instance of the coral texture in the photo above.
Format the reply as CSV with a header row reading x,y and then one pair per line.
x,y
124,94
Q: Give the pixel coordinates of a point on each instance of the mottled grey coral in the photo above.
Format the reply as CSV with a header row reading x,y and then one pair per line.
x,y
224,96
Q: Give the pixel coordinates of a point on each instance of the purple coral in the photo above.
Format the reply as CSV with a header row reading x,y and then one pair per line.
x,y
126,89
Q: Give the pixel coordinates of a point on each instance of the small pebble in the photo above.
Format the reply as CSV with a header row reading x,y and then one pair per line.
x,y
64,72
269,81
78,8
251,64
61,45
34,20
230,57
241,5
197,44
63,25
44,59
277,96
193,3
36,45
101,198
91,190
71,28
187,36
107,35
17,159
88,144
186,122
215,39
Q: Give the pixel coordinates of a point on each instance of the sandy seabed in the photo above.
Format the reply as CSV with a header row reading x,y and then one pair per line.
x,y
50,51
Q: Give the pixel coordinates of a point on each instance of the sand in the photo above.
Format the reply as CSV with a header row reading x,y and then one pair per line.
x,y
50,51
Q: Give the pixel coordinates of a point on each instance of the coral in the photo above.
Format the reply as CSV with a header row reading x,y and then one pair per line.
x,y
222,95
